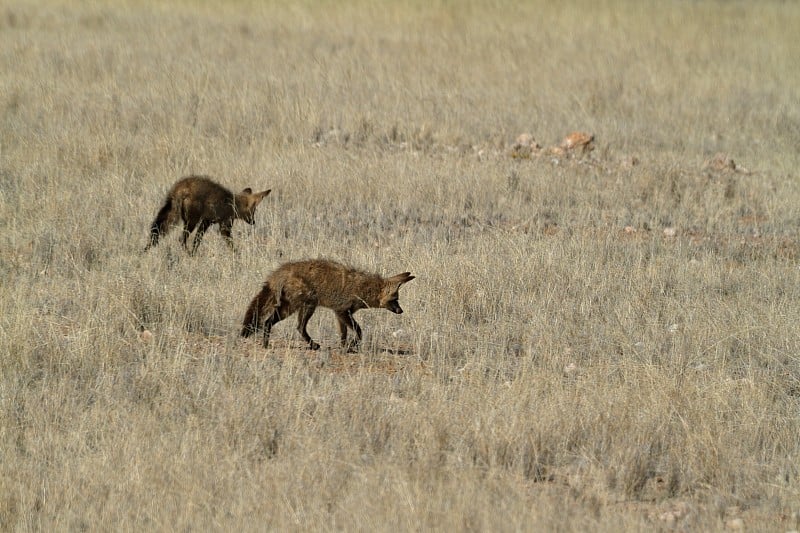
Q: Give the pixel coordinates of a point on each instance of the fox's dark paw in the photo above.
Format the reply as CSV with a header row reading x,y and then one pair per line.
x,y
350,347
313,345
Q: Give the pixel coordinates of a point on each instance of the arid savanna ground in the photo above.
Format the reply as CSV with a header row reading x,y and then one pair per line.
x,y
596,340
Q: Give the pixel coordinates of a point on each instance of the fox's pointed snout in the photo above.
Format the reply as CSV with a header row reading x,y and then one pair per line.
x,y
395,308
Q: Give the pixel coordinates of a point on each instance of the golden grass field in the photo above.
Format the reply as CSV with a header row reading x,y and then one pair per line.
x,y
594,341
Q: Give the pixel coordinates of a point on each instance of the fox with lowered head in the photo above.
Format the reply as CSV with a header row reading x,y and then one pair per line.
x,y
200,202
303,286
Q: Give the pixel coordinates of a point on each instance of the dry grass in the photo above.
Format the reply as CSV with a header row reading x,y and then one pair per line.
x,y
564,363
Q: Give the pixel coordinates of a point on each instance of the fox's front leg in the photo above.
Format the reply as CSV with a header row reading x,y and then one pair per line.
x,y
342,329
302,321
346,320
198,236
188,228
267,329
225,230
268,323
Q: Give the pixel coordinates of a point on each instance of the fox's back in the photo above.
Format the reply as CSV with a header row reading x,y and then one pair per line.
x,y
203,198
332,284
201,189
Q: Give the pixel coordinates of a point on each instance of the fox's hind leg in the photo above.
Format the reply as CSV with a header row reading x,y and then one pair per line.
x,y
191,216
346,320
302,321
162,223
266,303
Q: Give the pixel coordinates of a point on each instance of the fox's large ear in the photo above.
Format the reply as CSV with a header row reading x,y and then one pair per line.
x,y
405,277
264,194
248,190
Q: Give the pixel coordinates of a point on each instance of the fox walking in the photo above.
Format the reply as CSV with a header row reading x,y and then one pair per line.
x,y
303,286
200,202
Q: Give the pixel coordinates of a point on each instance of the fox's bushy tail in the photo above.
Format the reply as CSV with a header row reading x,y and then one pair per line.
x,y
165,218
263,305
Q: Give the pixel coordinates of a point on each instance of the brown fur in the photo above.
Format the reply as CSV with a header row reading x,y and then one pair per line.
x,y
305,285
200,202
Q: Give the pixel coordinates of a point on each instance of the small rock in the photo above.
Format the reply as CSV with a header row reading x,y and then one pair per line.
x,y
323,358
525,139
524,146
145,336
720,162
578,139
735,524
670,232
630,162
668,517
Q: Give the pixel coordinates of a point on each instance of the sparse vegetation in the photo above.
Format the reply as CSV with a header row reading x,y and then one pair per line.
x,y
603,340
